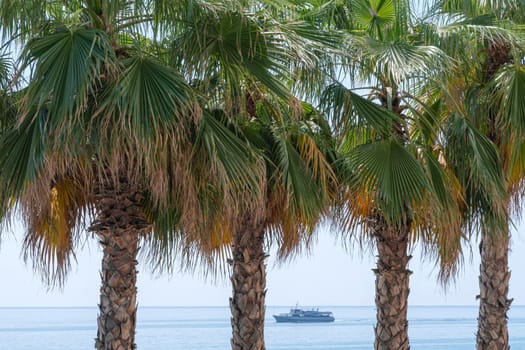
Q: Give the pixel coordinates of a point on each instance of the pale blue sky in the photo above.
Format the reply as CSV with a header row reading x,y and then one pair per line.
x,y
329,276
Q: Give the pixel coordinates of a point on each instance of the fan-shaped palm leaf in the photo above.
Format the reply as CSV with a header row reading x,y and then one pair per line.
x,y
392,173
375,14
68,67
147,98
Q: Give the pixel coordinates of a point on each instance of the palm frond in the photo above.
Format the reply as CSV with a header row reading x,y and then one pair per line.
x,y
465,30
7,99
22,156
374,15
301,180
392,174
440,214
316,159
68,67
510,85
476,163
312,55
148,97
170,247
397,61
238,46
297,180
350,110
515,172
5,69
229,158
473,8
170,16
54,223
19,16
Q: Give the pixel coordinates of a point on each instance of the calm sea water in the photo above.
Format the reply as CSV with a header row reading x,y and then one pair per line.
x,y
205,328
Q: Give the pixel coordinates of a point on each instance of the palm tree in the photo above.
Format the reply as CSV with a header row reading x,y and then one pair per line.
x,y
108,138
245,86
397,188
490,84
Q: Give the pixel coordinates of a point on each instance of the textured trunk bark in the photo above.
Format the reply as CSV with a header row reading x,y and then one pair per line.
x,y
119,224
494,287
249,285
392,287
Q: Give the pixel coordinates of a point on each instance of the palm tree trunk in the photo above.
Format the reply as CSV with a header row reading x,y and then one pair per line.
x,y
119,224
249,285
494,287
392,287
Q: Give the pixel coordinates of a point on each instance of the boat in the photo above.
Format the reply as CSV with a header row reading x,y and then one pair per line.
x,y
297,315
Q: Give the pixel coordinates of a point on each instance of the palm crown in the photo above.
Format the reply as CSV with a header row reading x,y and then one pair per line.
x,y
109,134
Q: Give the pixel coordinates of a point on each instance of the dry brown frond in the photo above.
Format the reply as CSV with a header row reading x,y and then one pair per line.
x,y
55,209
318,163
440,230
297,107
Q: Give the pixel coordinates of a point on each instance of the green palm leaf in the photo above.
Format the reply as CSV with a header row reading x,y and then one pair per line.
x,y
472,8
69,64
237,45
21,17
148,97
297,179
387,169
373,14
7,102
510,85
478,167
397,61
227,154
5,68
351,110
23,155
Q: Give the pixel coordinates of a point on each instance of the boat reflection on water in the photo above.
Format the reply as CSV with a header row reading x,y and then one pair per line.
x,y
297,315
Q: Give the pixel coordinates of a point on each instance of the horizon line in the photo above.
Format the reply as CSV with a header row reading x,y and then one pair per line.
x,y
226,306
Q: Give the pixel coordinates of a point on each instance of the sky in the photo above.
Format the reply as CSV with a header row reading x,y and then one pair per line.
x,y
330,275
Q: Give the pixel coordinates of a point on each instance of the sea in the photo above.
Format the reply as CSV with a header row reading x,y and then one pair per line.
x,y
208,328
